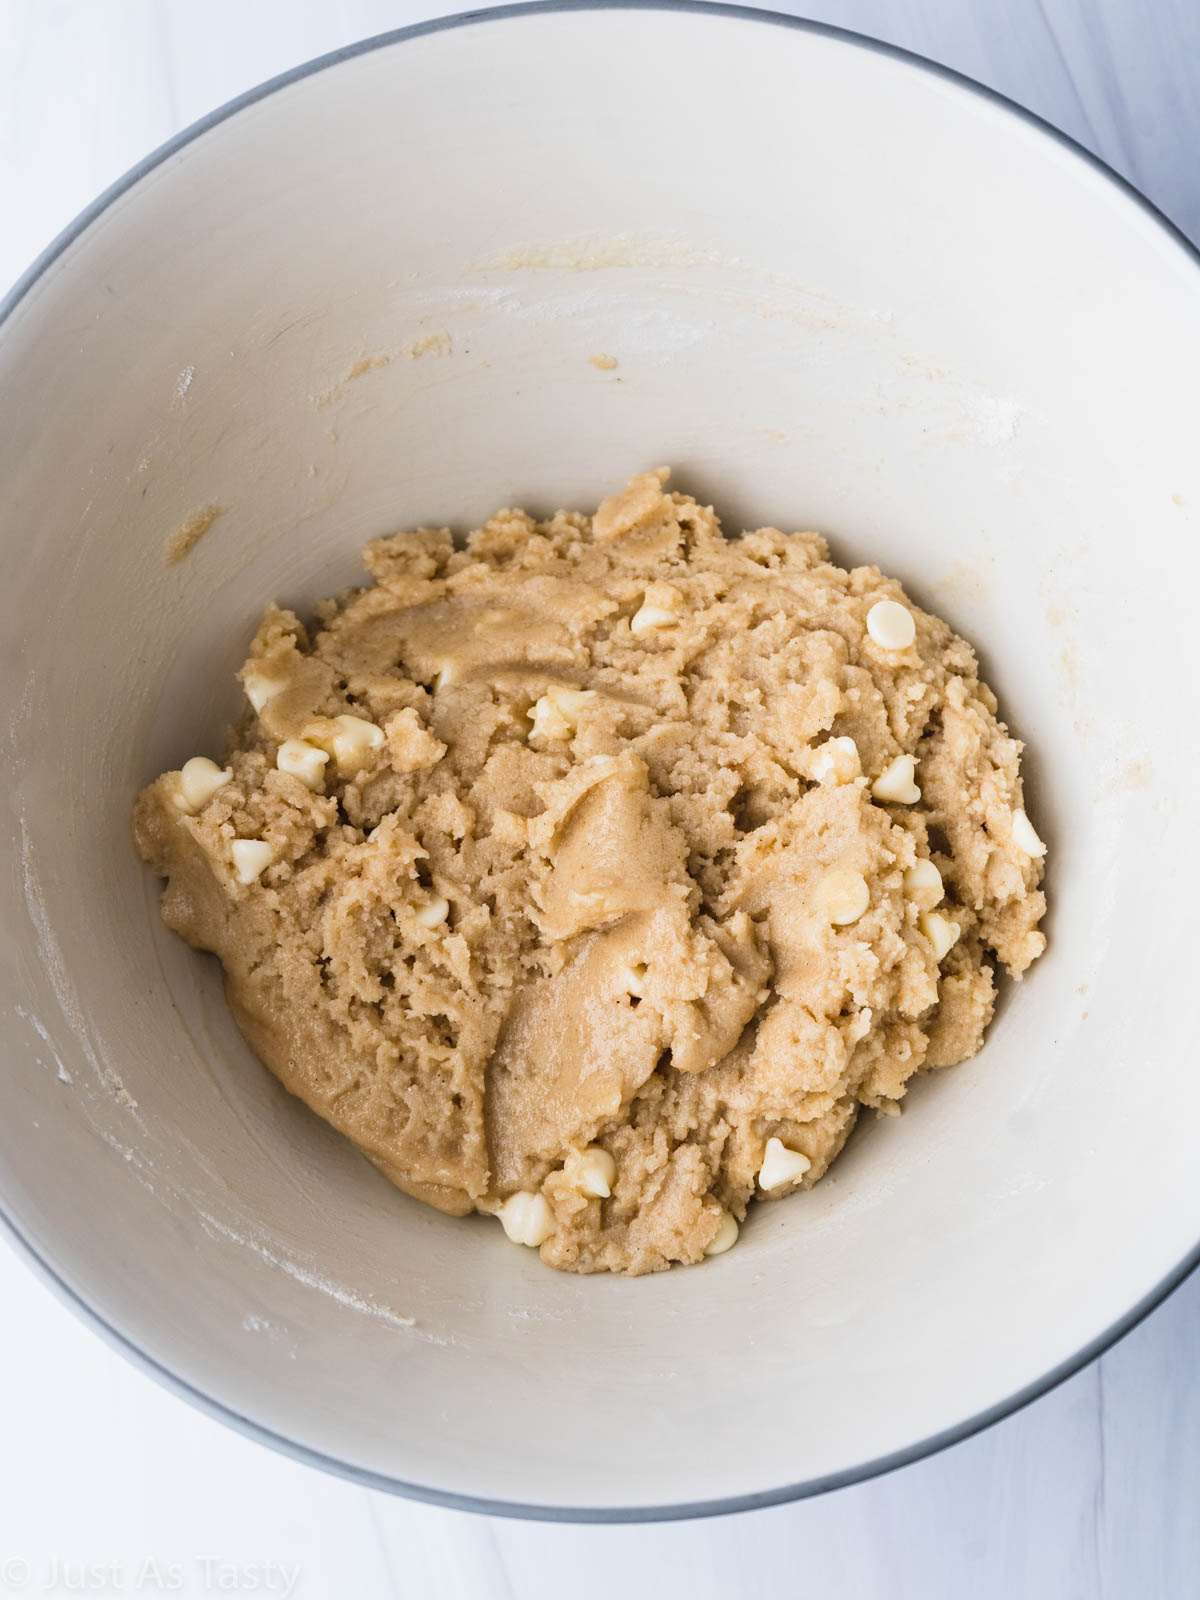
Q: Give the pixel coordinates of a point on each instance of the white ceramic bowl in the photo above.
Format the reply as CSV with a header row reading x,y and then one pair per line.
x,y
845,291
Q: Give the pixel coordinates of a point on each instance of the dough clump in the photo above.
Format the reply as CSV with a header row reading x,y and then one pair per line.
x,y
579,889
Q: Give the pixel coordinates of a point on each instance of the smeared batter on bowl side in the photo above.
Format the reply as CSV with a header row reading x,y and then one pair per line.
x,y
597,872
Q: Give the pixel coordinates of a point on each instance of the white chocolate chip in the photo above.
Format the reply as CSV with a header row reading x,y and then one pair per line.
x,y
571,701
304,761
842,897
1025,836
349,740
526,1219
261,686
353,742
781,1165
434,911
556,714
725,1237
446,673
923,885
891,625
835,761
592,1171
547,721
898,782
659,609
199,780
251,858
647,618
942,933
634,977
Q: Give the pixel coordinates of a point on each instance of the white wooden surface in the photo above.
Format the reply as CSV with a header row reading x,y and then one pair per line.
x,y
109,1485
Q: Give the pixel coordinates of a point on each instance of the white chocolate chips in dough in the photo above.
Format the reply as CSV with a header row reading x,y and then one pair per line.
x,y
304,761
592,1171
526,1219
897,782
597,873
835,761
261,685
659,609
251,858
923,885
433,913
842,897
199,780
941,931
725,1237
891,625
556,714
349,740
1025,836
781,1165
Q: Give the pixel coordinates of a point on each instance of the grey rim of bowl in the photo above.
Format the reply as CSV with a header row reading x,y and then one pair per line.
x,y
415,1491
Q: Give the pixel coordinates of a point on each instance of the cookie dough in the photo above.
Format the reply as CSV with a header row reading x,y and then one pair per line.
x,y
595,873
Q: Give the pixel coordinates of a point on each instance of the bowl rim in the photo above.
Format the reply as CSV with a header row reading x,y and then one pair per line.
x,y
225,1413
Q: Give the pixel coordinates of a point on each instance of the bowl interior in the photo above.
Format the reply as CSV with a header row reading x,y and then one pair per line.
x,y
841,292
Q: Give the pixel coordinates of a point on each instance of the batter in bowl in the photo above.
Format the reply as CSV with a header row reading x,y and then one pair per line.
x,y
597,872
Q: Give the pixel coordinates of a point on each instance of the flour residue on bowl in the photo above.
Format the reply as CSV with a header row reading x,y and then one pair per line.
x,y
148,1170
1131,776
430,344
440,343
993,419
309,1277
699,266
596,253
366,364
189,534
969,580
954,409
44,1035
54,966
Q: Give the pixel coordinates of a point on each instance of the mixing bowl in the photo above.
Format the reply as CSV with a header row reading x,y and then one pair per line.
x,y
842,290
